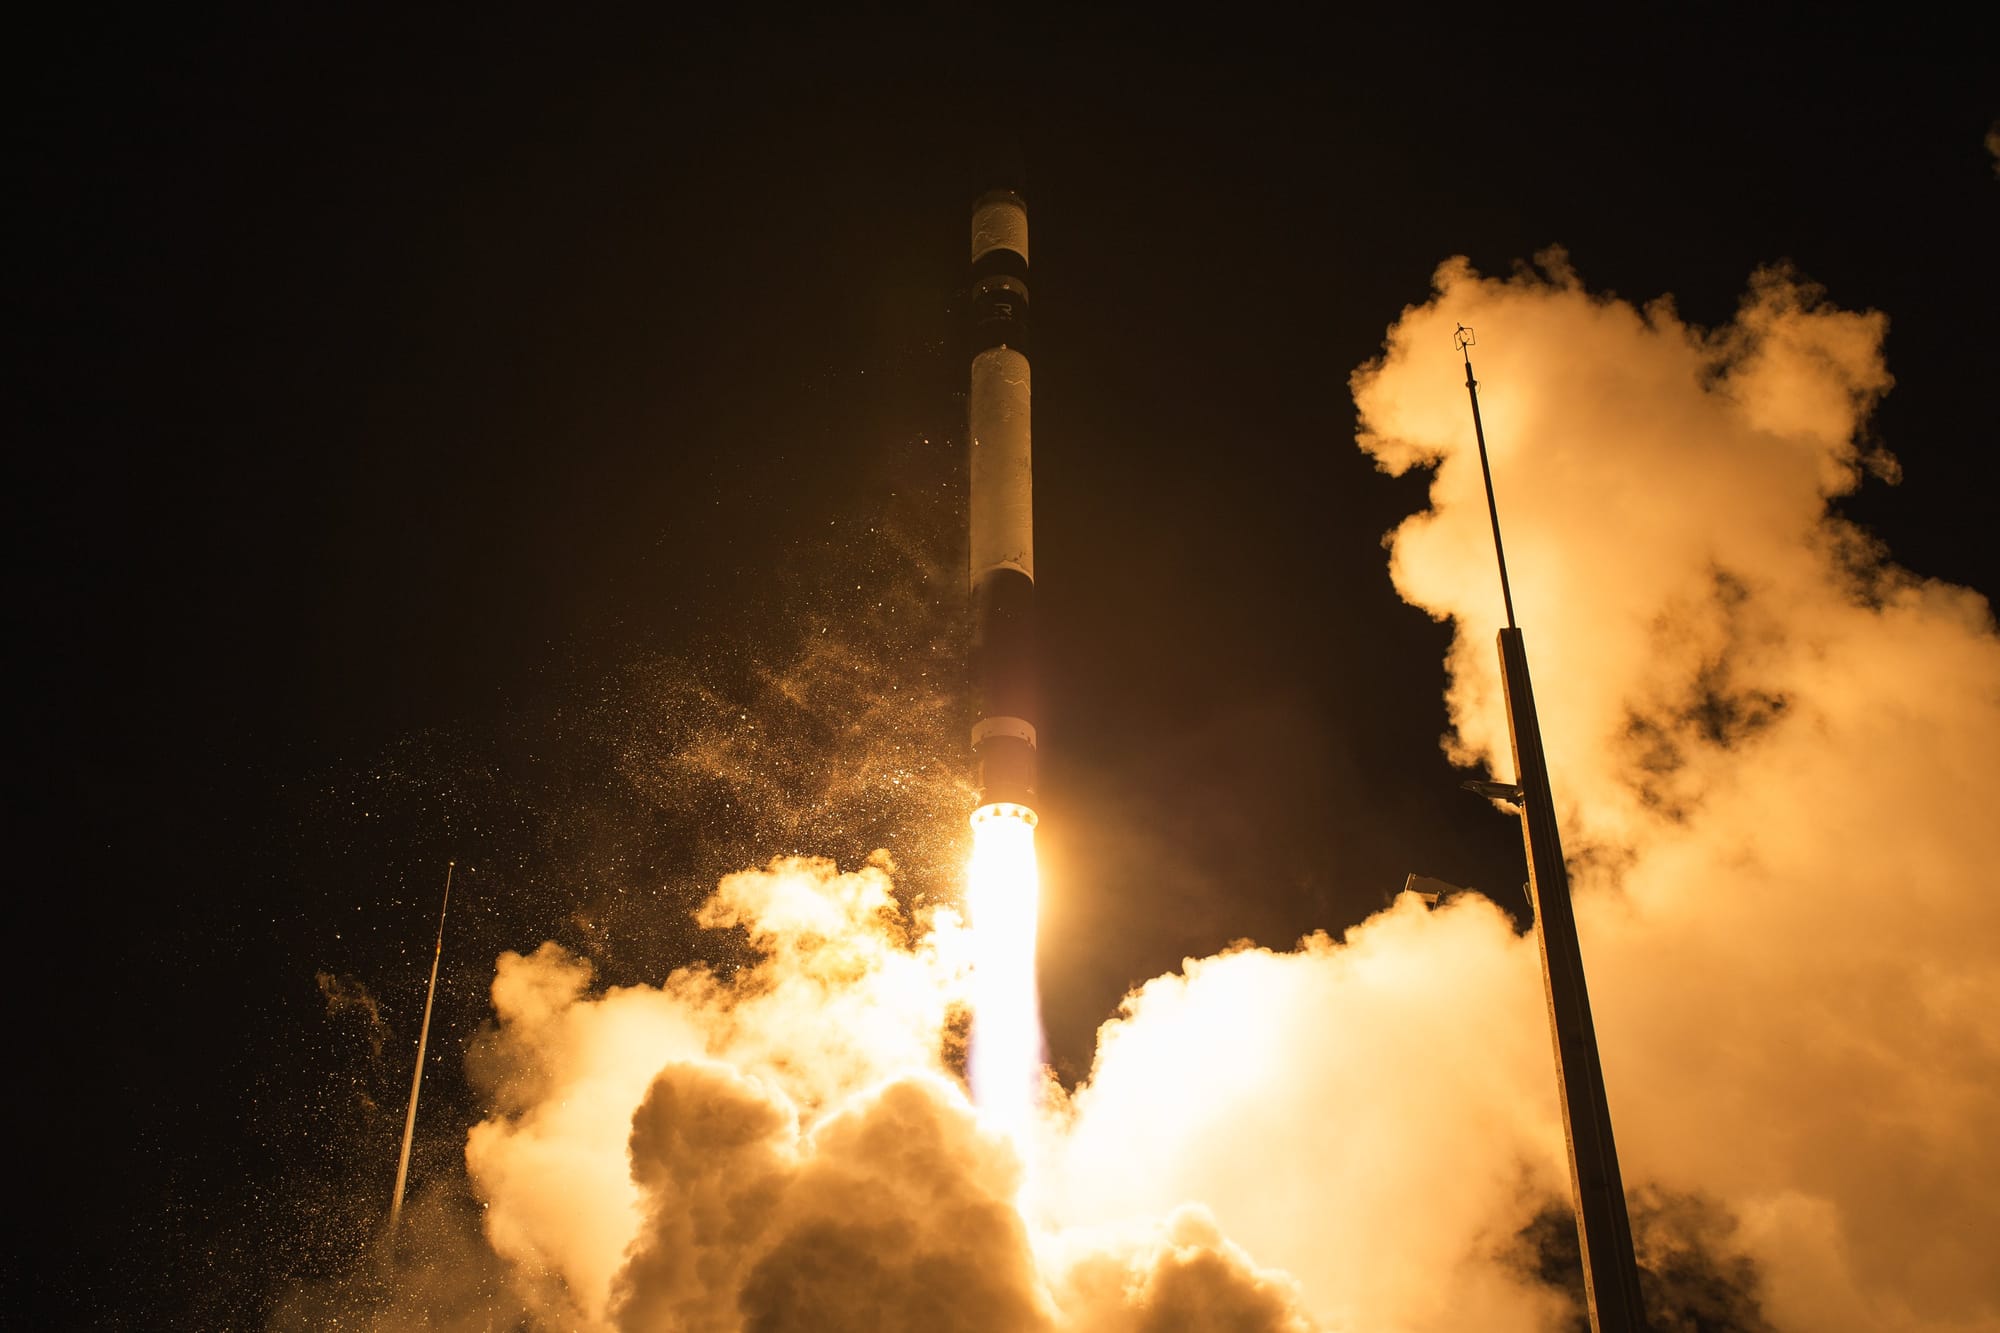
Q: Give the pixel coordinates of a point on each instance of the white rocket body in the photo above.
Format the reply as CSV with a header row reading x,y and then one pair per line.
x,y
1003,521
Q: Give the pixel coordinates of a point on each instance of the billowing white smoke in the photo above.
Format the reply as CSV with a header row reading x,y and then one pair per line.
x,y
1770,749
1374,1117
783,1149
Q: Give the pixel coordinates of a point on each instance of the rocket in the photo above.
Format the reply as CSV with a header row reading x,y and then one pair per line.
x,y
1003,527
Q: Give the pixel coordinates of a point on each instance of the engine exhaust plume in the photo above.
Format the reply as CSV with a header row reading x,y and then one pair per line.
x,y
1003,893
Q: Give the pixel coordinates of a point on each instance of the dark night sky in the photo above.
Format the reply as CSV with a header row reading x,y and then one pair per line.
x,y
393,383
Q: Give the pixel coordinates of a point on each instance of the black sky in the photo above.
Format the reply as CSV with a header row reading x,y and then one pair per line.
x,y
398,391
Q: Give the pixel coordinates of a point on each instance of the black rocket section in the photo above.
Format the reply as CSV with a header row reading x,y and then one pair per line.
x,y
1002,506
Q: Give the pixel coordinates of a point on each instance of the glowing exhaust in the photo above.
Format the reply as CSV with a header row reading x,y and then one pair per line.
x,y
1003,896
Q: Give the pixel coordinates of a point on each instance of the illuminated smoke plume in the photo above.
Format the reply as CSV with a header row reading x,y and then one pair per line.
x,y
783,1149
1769,745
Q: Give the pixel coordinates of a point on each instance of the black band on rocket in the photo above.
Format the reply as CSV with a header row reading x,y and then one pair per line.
x,y
999,262
999,313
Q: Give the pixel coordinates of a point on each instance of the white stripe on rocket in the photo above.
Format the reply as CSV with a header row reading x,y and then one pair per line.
x,y
1000,224
1019,728
1003,519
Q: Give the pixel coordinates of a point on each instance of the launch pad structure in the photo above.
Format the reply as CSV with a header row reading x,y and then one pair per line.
x,y
1604,1230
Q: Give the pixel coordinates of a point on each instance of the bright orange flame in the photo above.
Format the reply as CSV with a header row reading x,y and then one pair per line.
x,y
1003,901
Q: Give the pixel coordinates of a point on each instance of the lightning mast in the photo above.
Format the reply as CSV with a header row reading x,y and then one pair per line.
x,y
1604,1231
417,1079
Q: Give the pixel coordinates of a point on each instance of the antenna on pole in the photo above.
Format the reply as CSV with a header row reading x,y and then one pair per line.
x,y
417,1079
1603,1228
1463,341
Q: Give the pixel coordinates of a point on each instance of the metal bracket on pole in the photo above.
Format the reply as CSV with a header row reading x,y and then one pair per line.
x,y
1493,791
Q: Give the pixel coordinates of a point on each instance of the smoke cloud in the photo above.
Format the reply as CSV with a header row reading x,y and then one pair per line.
x,y
1766,742
786,1148
347,997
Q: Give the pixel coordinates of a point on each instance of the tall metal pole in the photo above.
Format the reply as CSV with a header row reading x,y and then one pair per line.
x,y
417,1078
1604,1231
